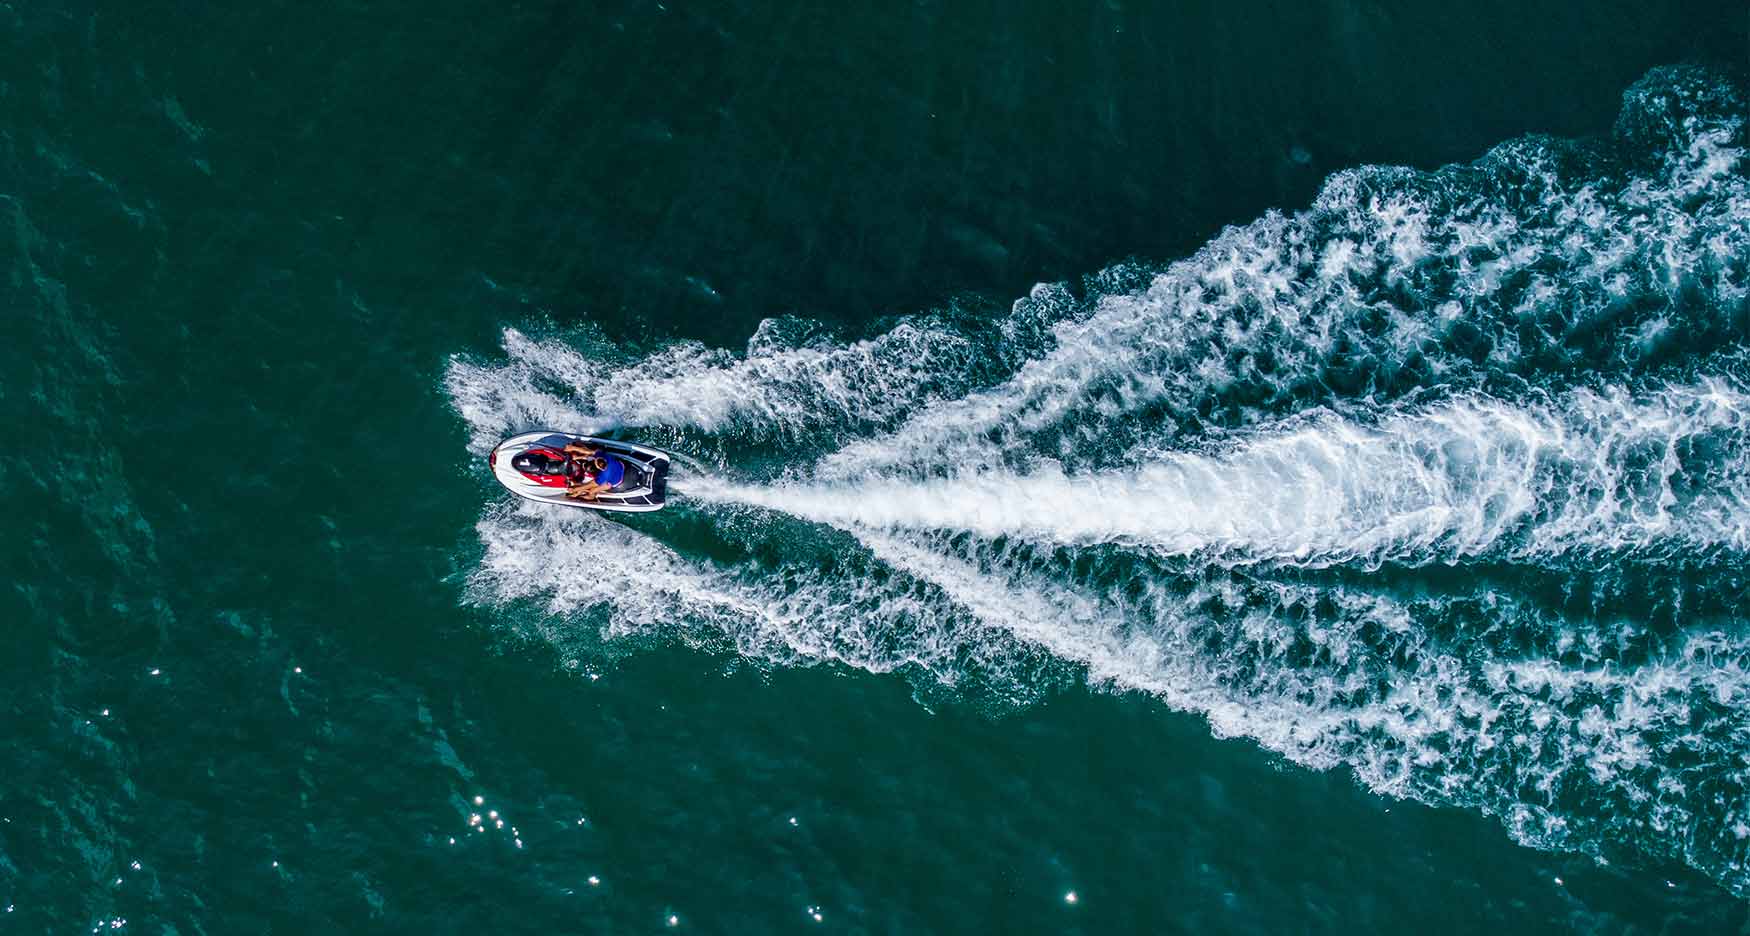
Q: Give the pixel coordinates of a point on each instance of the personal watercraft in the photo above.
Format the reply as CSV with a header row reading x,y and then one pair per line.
x,y
534,465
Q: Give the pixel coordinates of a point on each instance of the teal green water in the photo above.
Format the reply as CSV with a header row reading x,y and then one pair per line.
x,y
1130,486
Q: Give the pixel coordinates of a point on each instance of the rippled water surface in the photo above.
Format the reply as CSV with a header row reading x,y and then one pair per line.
x,y
1274,468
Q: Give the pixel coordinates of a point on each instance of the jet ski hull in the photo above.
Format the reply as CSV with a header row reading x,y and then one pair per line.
x,y
643,489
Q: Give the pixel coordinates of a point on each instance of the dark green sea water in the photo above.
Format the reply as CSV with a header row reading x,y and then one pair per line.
x,y
1131,486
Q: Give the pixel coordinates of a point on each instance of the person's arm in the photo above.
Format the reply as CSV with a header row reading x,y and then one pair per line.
x,y
578,448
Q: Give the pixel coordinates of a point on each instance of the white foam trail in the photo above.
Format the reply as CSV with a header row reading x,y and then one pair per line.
x,y
1588,470
1581,730
1392,280
1392,275
1568,754
579,564
1574,732
1572,741
776,388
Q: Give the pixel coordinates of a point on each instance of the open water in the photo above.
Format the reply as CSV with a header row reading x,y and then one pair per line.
x,y
1198,468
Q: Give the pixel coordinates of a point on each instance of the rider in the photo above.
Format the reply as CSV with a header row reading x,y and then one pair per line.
x,y
590,471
